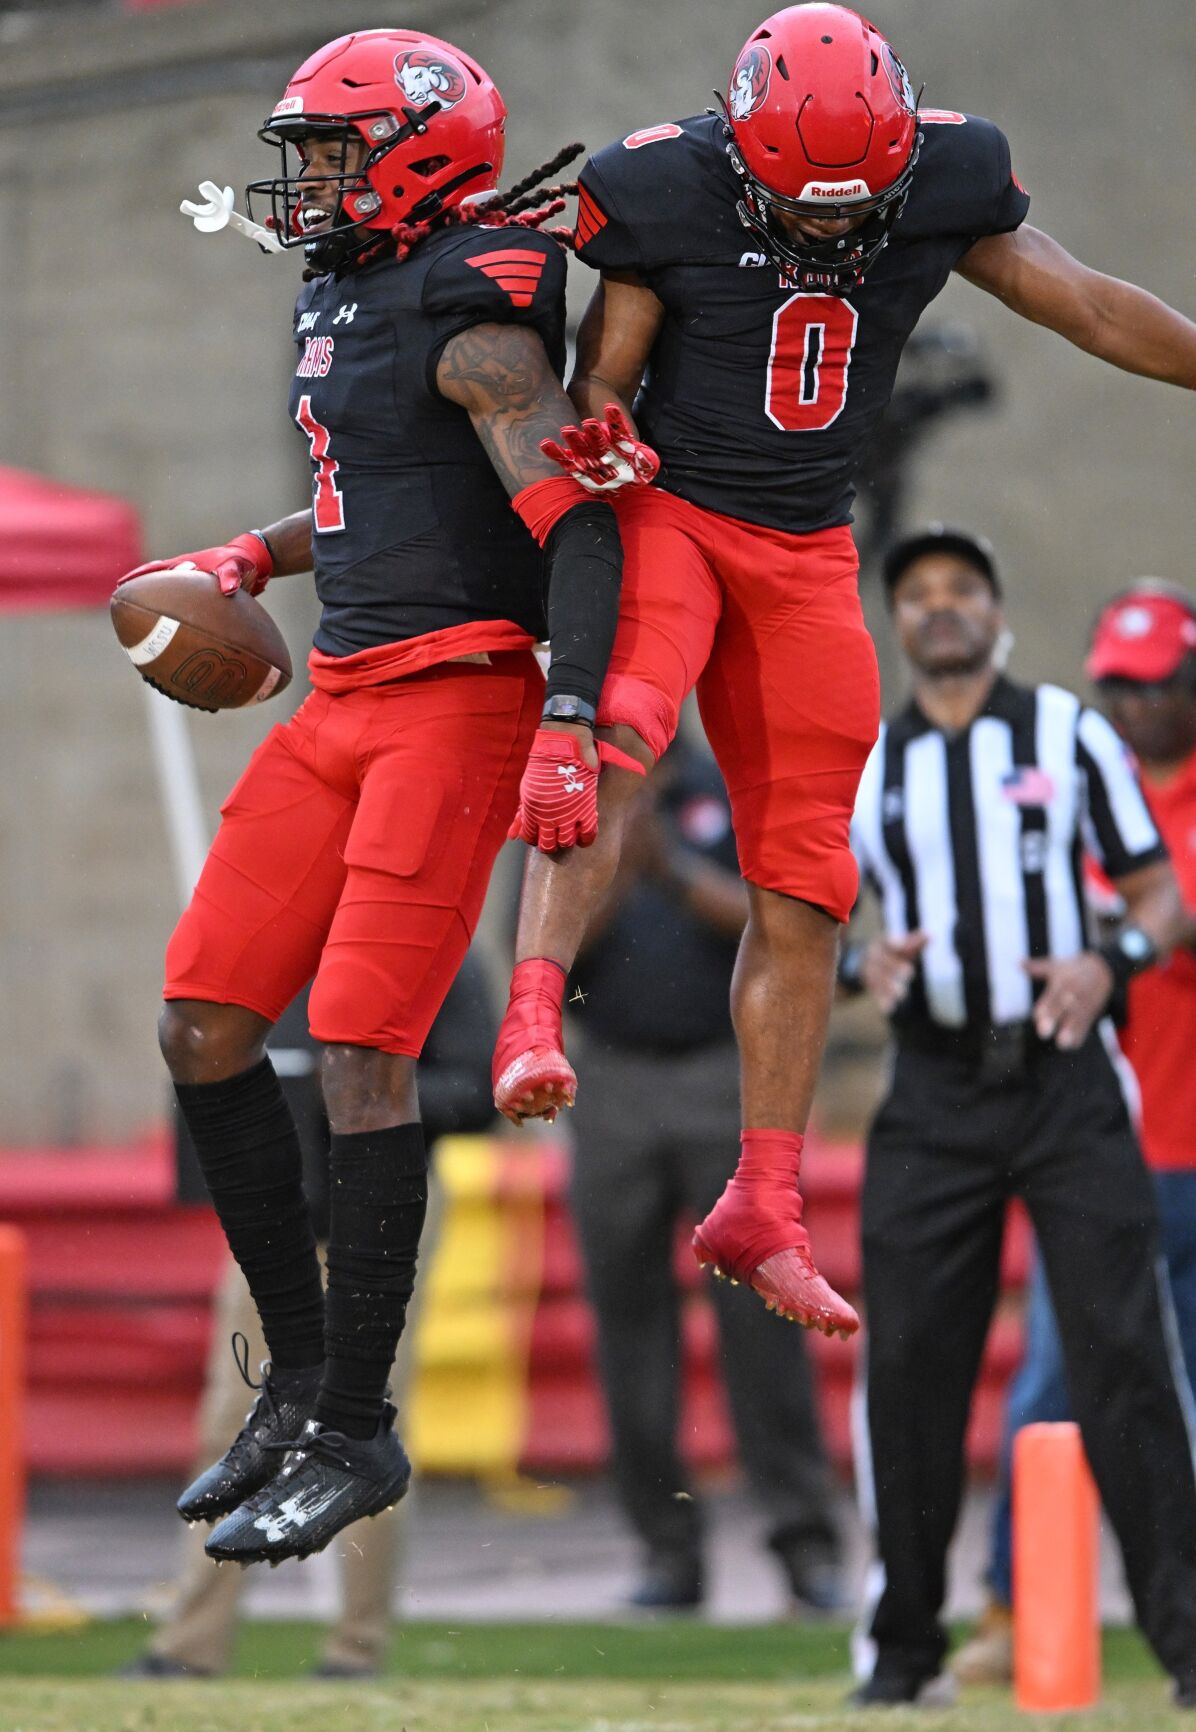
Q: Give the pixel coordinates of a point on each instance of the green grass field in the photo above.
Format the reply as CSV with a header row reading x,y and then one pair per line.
x,y
668,1677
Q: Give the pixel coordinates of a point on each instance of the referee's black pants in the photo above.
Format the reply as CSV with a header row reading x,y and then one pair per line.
x,y
946,1150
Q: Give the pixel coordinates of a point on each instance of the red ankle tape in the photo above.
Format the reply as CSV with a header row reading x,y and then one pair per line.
x,y
539,974
769,1155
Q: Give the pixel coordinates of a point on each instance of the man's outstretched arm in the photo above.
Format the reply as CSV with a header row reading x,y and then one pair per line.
x,y
1116,321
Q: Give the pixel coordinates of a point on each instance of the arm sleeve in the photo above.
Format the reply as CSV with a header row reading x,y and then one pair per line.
x,y
584,574
1119,829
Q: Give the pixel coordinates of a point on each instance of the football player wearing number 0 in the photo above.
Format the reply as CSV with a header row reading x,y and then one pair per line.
x,y
357,846
762,267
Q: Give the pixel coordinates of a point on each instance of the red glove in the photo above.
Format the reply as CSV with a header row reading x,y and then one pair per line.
x,y
558,796
243,563
604,455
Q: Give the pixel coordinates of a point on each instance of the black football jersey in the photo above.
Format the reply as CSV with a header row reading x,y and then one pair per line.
x,y
413,530
760,397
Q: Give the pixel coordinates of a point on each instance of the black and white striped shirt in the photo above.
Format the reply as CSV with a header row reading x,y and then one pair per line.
x,y
977,838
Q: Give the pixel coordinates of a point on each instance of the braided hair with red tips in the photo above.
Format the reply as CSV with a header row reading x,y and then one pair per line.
x,y
527,204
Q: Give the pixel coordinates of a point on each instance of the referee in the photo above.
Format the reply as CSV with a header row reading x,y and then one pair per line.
x,y
973,812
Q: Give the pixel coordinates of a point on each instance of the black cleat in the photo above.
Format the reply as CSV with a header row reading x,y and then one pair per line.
x,y
159,1666
285,1402
894,1690
671,1582
327,1480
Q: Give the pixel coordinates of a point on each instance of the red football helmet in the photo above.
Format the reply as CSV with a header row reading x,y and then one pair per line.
x,y
432,122
821,123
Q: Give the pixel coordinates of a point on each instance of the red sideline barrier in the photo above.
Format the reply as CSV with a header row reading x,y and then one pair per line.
x,y
12,1415
120,1279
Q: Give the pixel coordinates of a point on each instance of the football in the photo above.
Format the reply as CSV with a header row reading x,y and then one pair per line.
x,y
202,648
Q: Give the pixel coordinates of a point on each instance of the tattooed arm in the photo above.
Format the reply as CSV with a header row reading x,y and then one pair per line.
x,y
501,376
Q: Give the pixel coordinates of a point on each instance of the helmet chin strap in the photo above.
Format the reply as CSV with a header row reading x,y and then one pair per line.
x,y
831,276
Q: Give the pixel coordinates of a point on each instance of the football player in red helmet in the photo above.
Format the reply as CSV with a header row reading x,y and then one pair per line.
x,y
822,131
762,267
357,847
369,100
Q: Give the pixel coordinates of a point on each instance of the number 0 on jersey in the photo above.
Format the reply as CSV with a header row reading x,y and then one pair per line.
x,y
812,340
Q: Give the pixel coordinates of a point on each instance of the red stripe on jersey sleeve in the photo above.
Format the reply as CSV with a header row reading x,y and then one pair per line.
x,y
509,256
590,218
516,271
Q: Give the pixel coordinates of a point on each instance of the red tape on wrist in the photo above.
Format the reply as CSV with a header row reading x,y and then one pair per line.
x,y
608,754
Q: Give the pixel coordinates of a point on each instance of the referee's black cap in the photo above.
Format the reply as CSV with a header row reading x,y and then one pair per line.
x,y
940,538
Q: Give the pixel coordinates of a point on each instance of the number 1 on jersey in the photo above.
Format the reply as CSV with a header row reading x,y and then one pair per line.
x,y
812,340
328,502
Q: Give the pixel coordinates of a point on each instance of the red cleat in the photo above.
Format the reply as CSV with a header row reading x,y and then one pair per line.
x,y
532,1077
754,1234
789,1284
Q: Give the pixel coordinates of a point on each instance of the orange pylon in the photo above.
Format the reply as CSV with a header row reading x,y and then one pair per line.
x,y
1056,1624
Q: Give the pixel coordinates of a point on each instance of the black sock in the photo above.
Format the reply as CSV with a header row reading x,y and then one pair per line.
x,y
378,1198
248,1148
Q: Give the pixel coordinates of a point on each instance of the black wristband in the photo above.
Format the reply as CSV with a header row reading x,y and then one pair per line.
x,y
567,707
850,970
584,571
1128,954
261,535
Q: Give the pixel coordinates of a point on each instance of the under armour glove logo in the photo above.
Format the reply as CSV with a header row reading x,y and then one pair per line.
x,y
558,796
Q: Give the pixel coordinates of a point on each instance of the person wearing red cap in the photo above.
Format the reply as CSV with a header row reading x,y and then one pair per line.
x,y
1142,661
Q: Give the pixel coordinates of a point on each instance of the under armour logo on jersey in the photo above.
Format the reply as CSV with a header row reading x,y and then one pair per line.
x,y
572,783
516,269
345,315
590,217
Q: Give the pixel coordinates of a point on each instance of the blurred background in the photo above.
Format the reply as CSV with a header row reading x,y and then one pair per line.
x,y
150,363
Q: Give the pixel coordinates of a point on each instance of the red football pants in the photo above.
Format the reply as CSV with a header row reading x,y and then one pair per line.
x,y
357,848
768,626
